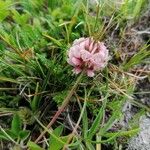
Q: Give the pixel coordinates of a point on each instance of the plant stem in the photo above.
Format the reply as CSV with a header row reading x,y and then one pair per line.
x,y
77,125
61,109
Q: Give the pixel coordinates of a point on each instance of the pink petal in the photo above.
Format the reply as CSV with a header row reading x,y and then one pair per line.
x,y
78,41
82,45
87,43
70,53
95,47
77,70
90,73
74,51
102,46
99,66
91,46
76,61
96,58
98,62
70,62
85,55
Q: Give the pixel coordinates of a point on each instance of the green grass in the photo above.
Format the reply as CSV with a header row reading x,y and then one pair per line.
x,y
36,81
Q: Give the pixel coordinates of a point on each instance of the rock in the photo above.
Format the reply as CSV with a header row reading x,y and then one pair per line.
x,y
142,140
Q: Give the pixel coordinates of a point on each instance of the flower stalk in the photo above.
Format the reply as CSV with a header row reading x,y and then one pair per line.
x,y
61,108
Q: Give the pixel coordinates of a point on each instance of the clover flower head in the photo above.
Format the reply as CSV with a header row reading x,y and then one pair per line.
x,y
88,55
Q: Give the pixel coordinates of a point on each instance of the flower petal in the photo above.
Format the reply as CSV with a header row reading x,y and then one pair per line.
x,y
76,61
95,47
70,62
77,70
87,43
78,41
90,73
96,58
85,55
91,45
74,51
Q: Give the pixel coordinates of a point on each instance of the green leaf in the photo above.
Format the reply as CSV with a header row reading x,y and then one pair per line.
x,y
137,8
24,134
85,123
16,124
57,42
54,144
34,146
51,133
96,123
20,19
57,145
35,101
4,9
5,79
3,136
129,133
110,122
137,58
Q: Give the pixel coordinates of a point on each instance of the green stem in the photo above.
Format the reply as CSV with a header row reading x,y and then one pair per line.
x,y
77,124
61,109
